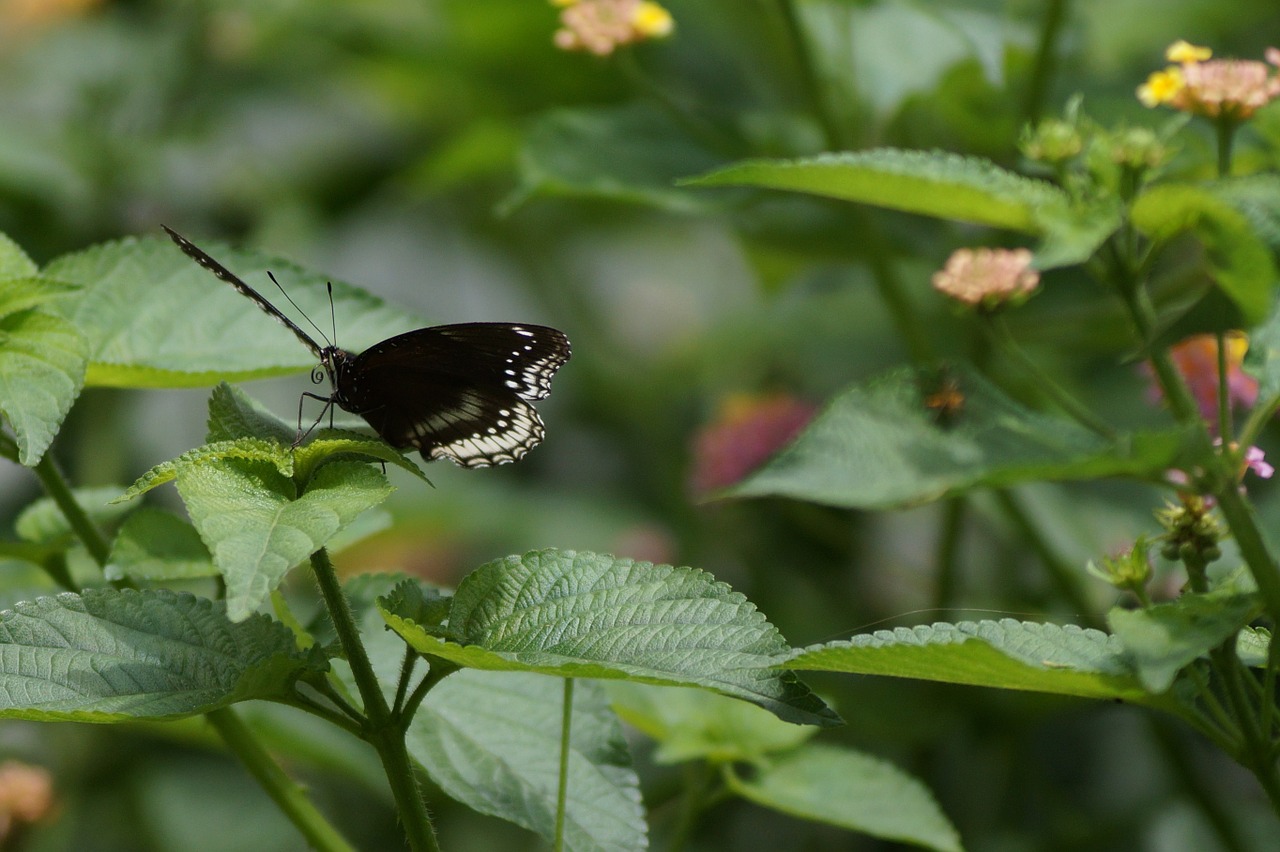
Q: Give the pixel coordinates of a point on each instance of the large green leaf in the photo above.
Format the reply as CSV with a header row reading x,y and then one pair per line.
x,y
492,741
878,446
842,787
42,368
108,655
1006,654
14,262
257,528
155,319
1237,259
593,615
157,545
945,186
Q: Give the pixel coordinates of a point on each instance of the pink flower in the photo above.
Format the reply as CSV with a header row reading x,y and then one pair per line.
x,y
987,278
1254,461
748,429
601,26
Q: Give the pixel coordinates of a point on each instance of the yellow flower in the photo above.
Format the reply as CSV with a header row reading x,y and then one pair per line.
x,y
1161,87
1184,52
652,21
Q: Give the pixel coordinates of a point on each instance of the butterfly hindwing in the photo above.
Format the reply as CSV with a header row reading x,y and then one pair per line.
x,y
456,391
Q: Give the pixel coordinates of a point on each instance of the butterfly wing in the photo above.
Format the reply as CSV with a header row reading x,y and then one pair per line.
x,y
460,392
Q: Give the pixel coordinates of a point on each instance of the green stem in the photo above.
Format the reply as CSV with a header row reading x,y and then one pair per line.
x,y
1226,137
286,793
893,293
440,669
57,488
562,791
1066,401
382,730
698,780
1224,390
1033,106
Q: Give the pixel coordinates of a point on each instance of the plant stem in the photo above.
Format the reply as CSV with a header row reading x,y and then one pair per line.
x,y
809,75
948,551
1064,575
383,731
57,488
1033,106
562,792
283,790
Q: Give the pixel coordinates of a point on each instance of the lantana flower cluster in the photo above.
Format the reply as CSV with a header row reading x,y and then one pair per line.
x,y
602,26
1232,89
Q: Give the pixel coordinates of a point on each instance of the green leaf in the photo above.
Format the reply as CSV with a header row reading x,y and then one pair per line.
x,y
233,414
1007,654
1164,638
14,262
154,318
878,446
945,186
692,724
257,531
592,615
1257,198
108,656
632,154
157,545
19,294
42,367
247,449
1238,261
42,522
491,740
848,789
331,443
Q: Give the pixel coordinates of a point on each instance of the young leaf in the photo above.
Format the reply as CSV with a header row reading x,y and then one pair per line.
x,y
1239,262
109,656
14,262
42,367
491,740
154,318
255,527
845,788
592,615
232,414
246,449
1006,654
156,545
1164,638
879,446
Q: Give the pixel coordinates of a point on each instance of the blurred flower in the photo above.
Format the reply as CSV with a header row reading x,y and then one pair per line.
x,y
20,16
601,26
1197,359
1137,148
1255,460
747,430
26,795
1052,141
1191,533
1231,88
988,278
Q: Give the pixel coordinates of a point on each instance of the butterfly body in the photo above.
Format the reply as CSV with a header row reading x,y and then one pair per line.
x,y
460,392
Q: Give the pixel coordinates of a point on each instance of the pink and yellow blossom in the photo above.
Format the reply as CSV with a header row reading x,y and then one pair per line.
x,y
987,278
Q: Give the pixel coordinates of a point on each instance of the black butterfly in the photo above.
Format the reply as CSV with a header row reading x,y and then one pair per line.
x,y
459,392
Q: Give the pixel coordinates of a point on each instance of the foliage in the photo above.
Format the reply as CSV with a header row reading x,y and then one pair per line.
x,y
737,223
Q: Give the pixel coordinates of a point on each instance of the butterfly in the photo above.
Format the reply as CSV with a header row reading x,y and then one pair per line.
x,y
460,392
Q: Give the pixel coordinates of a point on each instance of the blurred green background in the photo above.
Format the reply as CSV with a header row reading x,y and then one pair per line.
x,y
444,155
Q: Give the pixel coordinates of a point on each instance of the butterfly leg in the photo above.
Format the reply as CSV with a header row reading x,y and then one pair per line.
x,y
328,408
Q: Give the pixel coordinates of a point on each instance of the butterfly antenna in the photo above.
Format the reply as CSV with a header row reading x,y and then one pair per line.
x,y
285,293
333,317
